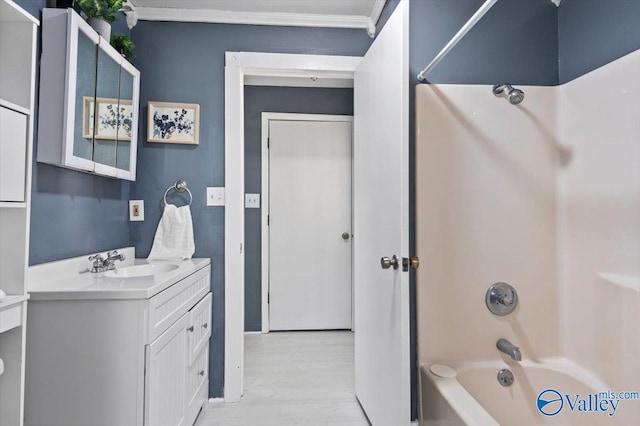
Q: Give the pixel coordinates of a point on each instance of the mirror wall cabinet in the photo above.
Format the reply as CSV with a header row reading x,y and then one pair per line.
x,y
88,100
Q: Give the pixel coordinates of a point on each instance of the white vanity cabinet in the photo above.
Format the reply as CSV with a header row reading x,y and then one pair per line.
x,y
88,100
98,357
176,394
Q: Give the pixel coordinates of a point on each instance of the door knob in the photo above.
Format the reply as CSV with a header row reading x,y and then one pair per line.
x,y
410,262
345,236
387,263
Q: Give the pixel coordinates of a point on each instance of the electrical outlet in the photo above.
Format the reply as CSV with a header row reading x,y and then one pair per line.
x,y
252,201
136,210
215,196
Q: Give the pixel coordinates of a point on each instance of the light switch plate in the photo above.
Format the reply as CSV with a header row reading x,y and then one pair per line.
x,y
136,210
215,196
252,201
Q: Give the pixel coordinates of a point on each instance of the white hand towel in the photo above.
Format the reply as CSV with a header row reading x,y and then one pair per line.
x,y
174,236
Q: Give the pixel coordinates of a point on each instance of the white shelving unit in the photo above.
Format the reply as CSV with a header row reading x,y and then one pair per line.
x,y
18,44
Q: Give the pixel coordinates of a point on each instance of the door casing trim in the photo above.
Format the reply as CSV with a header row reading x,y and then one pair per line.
x,y
239,65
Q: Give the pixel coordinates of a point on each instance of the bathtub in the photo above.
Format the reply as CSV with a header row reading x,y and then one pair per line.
x,y
475,397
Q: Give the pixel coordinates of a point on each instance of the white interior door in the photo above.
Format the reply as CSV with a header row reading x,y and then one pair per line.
x,y
309,211
381,225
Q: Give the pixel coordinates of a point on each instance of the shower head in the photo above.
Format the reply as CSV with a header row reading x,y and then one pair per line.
x,y
515,96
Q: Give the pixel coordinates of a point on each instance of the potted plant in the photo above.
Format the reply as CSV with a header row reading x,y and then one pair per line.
x,y
101,13
123,44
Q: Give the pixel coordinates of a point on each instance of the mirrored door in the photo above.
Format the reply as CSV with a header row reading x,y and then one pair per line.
x,y
126,120
86,61
106,115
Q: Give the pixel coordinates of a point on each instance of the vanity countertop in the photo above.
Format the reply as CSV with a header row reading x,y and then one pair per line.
x,y
70,279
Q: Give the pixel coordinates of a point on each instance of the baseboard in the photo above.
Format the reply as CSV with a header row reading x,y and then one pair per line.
x,y
253,332
214,400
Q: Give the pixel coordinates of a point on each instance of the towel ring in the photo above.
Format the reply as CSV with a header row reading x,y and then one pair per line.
x,y
179,186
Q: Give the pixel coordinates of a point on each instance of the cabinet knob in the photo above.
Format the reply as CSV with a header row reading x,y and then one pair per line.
x,y
205,325
201,372
190,329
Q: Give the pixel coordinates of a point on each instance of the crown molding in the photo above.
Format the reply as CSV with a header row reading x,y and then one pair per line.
x,y
376,10
252,18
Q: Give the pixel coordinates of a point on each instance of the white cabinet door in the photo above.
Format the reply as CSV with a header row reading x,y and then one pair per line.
x,y
13,154
197,385
199,327
82,62
166,368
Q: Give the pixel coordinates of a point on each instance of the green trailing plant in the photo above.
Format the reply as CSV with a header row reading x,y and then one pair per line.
x,y
101,9
123,44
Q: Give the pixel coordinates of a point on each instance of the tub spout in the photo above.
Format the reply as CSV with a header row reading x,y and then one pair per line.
x,y
508,348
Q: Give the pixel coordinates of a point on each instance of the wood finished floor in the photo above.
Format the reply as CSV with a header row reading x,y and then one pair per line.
x,y
293,378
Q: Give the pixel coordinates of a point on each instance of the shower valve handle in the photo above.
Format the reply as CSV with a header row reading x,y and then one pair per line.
x,y
501,299
505,299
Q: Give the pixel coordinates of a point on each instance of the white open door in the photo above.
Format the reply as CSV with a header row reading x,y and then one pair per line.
x,y
381,225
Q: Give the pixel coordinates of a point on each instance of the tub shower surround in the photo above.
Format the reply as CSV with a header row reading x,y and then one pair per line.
x,y
544,196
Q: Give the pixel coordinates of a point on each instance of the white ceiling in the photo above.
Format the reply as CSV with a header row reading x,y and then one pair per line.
x,y
308,13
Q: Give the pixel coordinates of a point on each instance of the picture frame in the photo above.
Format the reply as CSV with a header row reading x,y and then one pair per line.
x,y
110,126
170,122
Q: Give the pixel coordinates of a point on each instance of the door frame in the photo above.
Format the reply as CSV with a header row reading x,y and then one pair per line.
x,y
239,66
278,116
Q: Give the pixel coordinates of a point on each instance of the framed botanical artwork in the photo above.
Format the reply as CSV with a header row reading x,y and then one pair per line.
x,y
173,123
114,121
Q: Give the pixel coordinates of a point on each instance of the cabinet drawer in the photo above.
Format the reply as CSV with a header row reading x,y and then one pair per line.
x,y
166,307
199,327
10,317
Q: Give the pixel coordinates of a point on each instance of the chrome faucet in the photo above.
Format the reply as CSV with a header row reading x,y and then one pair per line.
x,y
101,264
508,348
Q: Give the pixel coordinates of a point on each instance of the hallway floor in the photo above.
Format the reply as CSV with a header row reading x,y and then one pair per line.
x,y
293,378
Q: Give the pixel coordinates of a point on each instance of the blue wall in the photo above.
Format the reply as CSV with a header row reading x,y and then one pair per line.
x,y
516,42
593,33
32,6
73,213
184,62
273,99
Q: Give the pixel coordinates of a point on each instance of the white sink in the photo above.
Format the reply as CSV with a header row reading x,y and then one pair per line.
x,y
141,270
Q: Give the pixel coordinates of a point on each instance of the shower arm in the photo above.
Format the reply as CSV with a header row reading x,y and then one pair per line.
x,y
488,4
